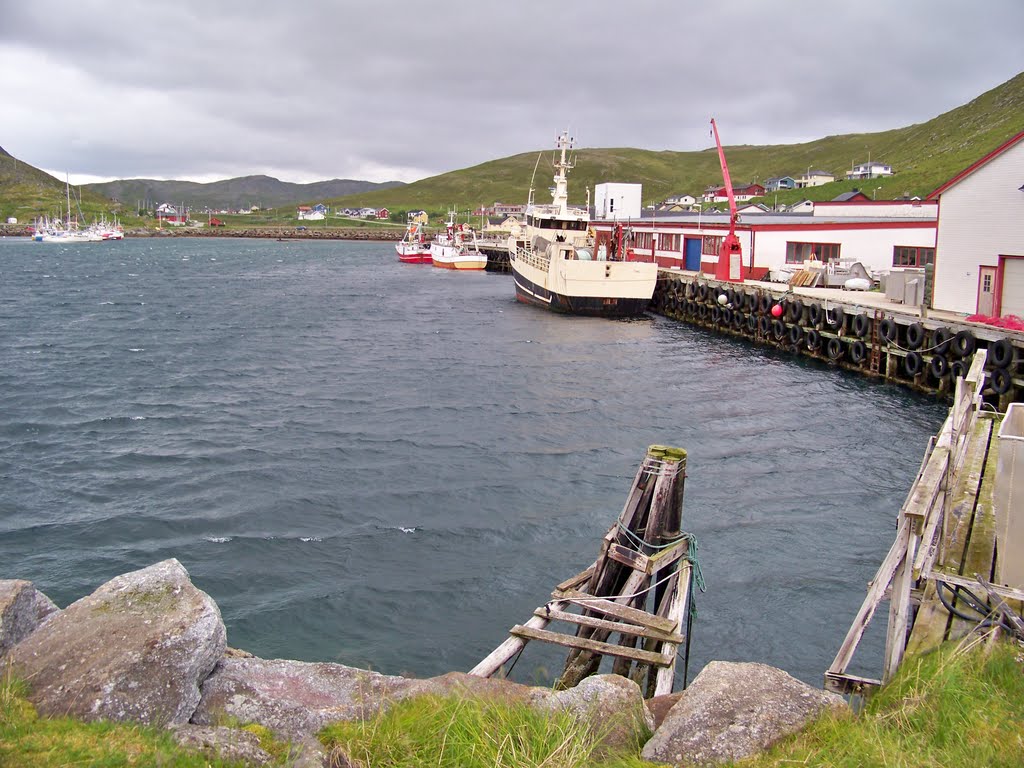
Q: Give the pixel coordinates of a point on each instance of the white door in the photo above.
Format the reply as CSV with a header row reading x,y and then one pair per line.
x,y
1012,290
986,286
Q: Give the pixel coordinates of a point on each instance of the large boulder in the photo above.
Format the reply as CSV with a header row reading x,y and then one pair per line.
x,y
611,707
136,649
23,608
220,743
293,698
735,710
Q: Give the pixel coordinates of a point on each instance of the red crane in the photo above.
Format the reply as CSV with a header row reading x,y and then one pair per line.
x,y
730,255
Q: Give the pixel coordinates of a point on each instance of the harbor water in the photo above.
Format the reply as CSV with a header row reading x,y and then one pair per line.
x,y
389,465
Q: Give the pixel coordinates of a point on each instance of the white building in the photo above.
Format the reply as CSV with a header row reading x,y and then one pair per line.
x,y
979,253
814,178
869,170
617,201
895,209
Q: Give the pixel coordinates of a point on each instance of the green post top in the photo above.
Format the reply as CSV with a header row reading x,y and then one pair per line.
x,y
666,452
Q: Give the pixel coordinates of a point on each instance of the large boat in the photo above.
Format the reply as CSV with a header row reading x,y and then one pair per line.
x,y
456,247
557,264
413,248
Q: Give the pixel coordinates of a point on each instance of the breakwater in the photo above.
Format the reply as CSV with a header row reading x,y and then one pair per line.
x,y
924,353
269,233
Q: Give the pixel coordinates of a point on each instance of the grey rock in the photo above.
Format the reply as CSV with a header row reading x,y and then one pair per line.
x,y
222,743
733,711
610,706
136,649
293,699
23,609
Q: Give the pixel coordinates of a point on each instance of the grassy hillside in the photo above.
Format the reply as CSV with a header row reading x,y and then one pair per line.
x,y
923,155
264,191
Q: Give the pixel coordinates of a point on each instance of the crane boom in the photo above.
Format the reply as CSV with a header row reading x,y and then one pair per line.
x,y
730,256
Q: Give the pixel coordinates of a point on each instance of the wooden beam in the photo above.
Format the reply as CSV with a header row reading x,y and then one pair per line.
x,y
844,684
611,626
897,552
629,557
677,608
899,612
513,645
618,611
593,646
578,580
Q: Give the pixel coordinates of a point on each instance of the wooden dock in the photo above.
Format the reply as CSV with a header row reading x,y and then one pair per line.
x,y
639,588
939,576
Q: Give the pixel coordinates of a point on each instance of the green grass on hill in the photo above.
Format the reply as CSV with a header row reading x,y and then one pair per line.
x,y
959,707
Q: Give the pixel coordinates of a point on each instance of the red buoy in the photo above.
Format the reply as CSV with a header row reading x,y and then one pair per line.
x,y
777,310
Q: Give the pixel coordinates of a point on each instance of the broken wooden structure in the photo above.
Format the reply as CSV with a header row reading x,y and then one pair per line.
x,y
945,543
638,589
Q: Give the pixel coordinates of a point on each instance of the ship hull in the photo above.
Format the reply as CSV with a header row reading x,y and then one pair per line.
x,y
529,292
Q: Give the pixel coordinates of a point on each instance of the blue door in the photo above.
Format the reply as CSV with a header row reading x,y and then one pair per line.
x,y
692,261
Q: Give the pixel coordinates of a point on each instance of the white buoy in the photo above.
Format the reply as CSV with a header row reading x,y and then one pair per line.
x,y
722,299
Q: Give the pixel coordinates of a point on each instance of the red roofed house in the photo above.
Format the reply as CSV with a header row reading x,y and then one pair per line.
x,y
979,244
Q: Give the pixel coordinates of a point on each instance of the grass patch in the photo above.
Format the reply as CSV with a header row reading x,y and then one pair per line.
x,y
958,707
468,733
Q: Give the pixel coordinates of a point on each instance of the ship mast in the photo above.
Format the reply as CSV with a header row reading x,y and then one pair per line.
x,y
560,193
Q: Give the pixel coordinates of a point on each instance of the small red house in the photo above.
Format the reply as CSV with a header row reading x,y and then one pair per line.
x,y
383,213
215,222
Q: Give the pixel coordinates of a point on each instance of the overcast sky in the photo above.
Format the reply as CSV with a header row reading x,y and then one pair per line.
x,y
313,90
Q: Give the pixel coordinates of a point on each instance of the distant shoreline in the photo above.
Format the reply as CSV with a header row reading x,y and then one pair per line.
x,y
265,233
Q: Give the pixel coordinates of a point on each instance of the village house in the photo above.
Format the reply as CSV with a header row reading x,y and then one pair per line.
x,y
869,170
315,213
775,183
814,178
168,214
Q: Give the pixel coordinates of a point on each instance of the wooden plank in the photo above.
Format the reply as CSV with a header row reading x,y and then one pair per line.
x,y
1001,607
577,581
611,626
618,611
879,585
981,545
844,684
668,555
593,646
930,624
899,612
679,604
629,557
513,645
924,495
1007,593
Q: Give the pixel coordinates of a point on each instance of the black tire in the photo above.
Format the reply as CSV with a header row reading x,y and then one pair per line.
x,y
796,335
716,314
834,318
814,314
813,340
738,320
939,366
915,336
691,290
763,325
751,323
702,291
794,310
858,351
964,344
726,316
834,349
778,328
861,324
888,330
764,303
958,369
750,300
940,340
1000,380
913,363
691,308
1001,353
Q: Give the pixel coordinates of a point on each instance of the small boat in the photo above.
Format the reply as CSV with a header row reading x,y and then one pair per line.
x,y
457,247
413,247
558,264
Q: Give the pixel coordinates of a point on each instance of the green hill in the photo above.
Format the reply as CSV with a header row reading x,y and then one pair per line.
x,y
923,156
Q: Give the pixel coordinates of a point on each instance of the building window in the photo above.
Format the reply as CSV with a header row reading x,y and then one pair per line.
x,y
986,283
712,245
798,253
911,256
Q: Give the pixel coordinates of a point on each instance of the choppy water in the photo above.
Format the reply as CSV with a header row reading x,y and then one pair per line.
x,y
389,465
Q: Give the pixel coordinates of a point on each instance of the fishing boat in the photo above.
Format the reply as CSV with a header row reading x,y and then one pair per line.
x,y
413,248
557,263
457,247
